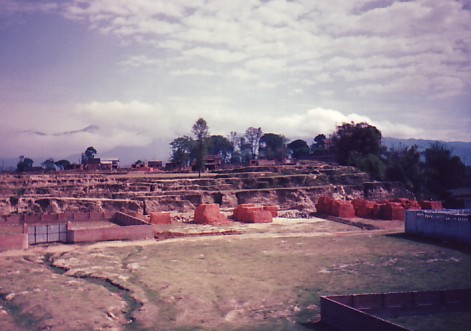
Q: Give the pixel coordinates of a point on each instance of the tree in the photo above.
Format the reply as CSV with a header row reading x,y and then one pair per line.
x,y
49,165
221,146
352,141
253,136
182,151
273,146
201,131
63,164
24,164
369,163
89,154
443,171
403,165
299,149
319,142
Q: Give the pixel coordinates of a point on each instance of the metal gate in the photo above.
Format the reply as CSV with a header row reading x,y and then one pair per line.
x,y
48,233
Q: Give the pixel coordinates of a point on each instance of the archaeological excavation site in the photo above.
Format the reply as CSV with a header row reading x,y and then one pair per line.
x,y
306,246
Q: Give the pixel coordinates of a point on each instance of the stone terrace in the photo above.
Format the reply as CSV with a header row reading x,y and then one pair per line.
x,y
290,187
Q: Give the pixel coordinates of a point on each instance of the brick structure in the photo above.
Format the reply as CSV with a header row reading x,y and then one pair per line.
x,y
20,231
240,213
260,216
160,218
342,209
272,209
249,213
324,205
409,204
365,208
209,214
392,211
433,205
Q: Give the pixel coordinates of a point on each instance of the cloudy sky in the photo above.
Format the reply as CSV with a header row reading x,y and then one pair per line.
x,y
108,73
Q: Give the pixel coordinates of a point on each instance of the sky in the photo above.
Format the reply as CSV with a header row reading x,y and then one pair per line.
x,y
137,74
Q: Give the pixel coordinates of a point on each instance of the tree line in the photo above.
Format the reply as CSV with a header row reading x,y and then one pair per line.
x,y
26,163
429,174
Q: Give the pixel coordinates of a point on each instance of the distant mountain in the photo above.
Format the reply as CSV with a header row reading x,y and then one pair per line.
x,y
156,150
461,149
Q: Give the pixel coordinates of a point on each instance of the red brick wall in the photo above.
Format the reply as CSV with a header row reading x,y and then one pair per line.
x,y
209,214
13,241
132,232
160,218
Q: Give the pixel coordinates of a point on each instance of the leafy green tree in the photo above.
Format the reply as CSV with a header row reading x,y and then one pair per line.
x,y
403,165
352,141
49,165
299,149
201,131
24,164
89,154
273,146
369,163
182,151
252,138
319,142
221,146
63,164
443,171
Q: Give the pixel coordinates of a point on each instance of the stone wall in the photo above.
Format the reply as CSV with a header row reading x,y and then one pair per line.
x,y
131,232
13,241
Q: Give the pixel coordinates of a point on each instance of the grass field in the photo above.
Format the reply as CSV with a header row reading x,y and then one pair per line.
x,y
221,283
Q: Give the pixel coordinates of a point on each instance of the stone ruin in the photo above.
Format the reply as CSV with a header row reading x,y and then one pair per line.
x,y
383,209
290,187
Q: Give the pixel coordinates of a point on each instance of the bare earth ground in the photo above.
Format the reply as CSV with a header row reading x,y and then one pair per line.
x,y
265,277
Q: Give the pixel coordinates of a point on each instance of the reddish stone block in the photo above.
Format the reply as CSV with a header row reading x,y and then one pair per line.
x,y
392,211
249,213
324,205
240,211
342,209
434,205
378,211
260,216
408,204
209,214
358,203
160,218
364,208
272,209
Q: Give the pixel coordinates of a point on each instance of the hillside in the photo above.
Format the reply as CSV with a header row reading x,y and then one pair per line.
x,y
461,149
290,187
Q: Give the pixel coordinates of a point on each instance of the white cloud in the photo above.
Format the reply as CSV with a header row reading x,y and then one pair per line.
x,y
341,41
369,41
139,61
193,72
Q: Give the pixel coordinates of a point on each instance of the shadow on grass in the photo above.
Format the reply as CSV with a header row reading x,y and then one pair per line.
x,y
464,248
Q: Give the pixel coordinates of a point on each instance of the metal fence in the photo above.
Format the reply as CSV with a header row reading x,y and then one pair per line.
x,y
47,233
445,224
